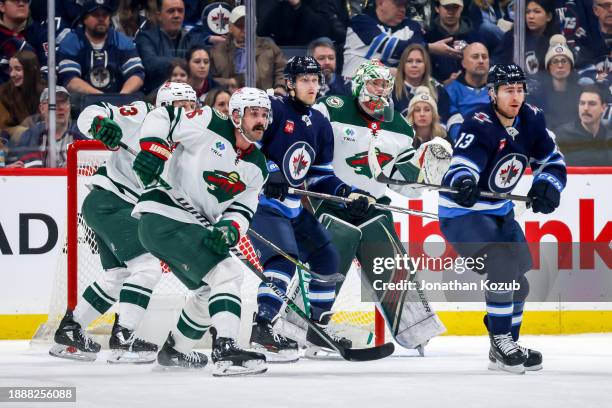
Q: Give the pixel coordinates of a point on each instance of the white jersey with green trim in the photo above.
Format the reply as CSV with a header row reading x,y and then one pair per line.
x,y
352,136
206,168
117,175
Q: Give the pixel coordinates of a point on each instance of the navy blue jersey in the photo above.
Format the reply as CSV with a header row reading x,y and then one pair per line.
x,y
106,69
300,143
496,157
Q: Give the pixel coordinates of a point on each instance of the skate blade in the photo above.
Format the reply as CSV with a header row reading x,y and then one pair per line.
x,y
130,357
227,369
421,349
498,366
536,367
272,357
162,368
320,353
71,353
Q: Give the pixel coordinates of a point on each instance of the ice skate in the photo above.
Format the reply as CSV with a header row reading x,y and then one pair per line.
x,y
72,342
276,347
126,348
170,358
230,360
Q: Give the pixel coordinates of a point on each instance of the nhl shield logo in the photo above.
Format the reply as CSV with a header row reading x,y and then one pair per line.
x,y
297,162
289,127
507,172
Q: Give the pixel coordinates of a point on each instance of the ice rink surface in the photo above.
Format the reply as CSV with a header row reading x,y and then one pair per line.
x,y
577,373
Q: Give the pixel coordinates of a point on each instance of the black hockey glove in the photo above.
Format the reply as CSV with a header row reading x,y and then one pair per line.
x,y
360,206
468,191
277,186
544,197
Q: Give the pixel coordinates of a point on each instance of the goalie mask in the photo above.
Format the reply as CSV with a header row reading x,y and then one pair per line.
x,y
248,98
372,86
171,92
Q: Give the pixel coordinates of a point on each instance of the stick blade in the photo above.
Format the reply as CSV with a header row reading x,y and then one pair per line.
x,y
369,354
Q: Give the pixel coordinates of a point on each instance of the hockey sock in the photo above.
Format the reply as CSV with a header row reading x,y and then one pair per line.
x,y
500,317
99,296
517,319
193,321
145,272
280,271
321,296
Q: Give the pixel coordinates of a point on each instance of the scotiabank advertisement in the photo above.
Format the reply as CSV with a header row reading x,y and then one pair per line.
x,y
570,247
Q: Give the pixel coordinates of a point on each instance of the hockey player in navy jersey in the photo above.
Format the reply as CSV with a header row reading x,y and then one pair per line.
x,y
495,145
299,146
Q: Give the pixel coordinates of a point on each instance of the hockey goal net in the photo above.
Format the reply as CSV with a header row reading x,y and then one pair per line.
x,y
79,265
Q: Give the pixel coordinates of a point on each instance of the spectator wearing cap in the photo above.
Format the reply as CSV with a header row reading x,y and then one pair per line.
x,y
96,59
469,89
450,24
19,96
540,25
586,141
293,22
558,83
423,117
322,49
229,58
383,32
158,46
32,149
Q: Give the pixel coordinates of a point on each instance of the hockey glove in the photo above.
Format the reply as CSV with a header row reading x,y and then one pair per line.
x,y
277,186
149,163
359,207
222,237
544,197
106,130
468,191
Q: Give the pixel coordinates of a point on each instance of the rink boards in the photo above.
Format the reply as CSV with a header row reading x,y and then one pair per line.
x,y
34,212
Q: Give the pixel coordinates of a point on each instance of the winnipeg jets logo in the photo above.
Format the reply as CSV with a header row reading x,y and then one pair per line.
x,y
359,162
482,117
218,20
223,185
507,172
297,162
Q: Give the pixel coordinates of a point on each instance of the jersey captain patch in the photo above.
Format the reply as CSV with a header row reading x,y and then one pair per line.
x,y
223,185
297,162
507,172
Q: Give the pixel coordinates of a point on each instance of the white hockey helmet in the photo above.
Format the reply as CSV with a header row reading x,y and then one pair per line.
x,y
174,91
249,97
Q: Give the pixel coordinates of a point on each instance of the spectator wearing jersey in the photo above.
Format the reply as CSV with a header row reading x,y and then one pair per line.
x,y
413,71
556,90
470,89
218,98
97,59
229,58
540,25
199,72
491,18
293,22
586,141
33,147
322,49
20,95
158,46
449,23
383,32
424,118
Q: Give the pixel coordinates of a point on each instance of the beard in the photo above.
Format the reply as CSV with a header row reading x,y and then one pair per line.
x,y
99,31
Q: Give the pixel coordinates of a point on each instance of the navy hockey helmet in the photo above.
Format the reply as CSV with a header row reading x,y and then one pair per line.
x,y
504,74
302,65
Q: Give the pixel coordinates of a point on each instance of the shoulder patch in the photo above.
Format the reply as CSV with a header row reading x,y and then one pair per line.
x,y
481,117
334,102
534,109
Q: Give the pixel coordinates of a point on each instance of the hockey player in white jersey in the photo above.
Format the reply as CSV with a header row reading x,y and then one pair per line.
x,y
358,121
130,272
217,169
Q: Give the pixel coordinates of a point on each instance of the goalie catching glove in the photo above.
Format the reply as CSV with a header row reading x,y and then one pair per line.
x,y
361,201
107,131
149,163
223,236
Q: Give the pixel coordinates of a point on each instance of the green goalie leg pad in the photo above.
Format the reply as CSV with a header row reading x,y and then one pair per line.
x,y
407,313
345,238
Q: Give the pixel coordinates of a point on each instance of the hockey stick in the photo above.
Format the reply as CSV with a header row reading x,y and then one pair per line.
x,y
382,178
367,354
346,200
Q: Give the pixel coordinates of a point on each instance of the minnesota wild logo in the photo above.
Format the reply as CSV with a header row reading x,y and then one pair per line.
x,y
359,162
224,186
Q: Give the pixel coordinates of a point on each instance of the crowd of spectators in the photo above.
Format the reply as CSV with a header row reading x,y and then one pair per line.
x,y
440,51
